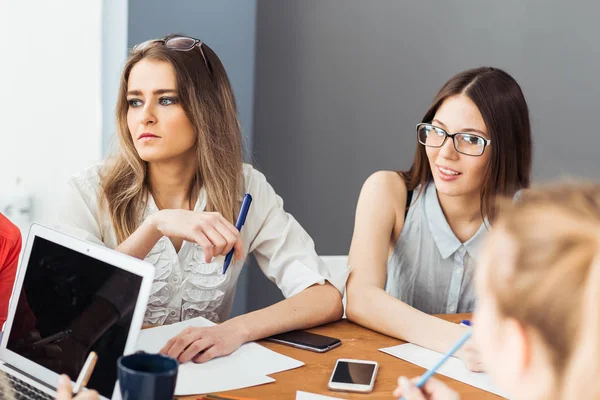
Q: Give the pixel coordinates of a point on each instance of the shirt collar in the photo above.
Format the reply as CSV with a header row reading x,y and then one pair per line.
x,y
445,240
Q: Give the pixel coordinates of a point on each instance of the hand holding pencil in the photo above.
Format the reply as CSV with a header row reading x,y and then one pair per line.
x,y
427,388
64,391
433,389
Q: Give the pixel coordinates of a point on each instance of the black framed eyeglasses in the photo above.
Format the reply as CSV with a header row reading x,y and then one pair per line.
x,y
178,43
465,143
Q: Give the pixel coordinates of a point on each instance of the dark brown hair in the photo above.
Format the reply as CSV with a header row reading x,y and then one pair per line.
x,y
504,110
207,98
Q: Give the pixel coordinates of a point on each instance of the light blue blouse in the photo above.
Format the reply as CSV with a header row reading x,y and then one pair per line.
x,y
430,269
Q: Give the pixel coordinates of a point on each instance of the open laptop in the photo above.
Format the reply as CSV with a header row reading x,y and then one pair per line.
x,y
71,297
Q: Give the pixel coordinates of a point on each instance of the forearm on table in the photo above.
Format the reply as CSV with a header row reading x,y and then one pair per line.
x,y
316,305
375,309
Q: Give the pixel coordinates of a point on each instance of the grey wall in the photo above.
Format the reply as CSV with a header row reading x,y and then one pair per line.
x,y
228,27
340,85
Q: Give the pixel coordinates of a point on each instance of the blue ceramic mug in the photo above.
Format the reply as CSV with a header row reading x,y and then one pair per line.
x,y
145,376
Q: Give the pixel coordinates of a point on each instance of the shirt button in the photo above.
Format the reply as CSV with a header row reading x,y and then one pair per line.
x,y
459,270
175,279
173,313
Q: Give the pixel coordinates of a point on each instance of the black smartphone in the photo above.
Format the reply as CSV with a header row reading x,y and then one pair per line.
x,y
306,340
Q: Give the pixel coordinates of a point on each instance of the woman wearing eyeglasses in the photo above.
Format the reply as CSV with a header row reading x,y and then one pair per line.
x,y
417,232
538,283
172,194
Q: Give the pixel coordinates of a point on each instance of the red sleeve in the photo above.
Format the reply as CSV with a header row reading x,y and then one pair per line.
x,y
9,258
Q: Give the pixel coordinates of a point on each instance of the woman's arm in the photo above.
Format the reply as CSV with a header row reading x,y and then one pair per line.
x,y
304,310
141,241
316,305
81,216
379,221
286,254
210,230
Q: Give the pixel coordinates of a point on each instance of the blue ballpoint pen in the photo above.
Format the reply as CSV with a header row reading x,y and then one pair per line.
x,y
449,354
238,225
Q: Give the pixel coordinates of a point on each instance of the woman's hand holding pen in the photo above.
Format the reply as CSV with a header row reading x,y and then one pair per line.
x,y
64,391
431,390
204,344
211,230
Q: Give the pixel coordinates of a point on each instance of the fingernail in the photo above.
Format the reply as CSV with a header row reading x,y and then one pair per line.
x,y
404,382
62,380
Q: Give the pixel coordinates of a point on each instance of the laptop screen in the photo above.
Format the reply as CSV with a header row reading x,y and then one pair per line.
x,y
71,304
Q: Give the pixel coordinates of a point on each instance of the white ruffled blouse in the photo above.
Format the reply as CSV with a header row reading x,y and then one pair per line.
x,y
185,286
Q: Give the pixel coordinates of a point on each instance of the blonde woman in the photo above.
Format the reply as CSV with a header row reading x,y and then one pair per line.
x,y
537,324
172,194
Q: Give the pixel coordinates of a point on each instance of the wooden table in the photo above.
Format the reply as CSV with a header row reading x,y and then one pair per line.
x,y
359,343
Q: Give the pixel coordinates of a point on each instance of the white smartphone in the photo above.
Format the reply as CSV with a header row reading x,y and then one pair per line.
x,y
353,375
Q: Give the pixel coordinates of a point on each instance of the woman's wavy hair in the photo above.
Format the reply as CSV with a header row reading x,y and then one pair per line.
x,y
208,100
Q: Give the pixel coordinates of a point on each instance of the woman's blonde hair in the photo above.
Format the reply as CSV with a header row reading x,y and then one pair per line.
x,y
207,98
553,284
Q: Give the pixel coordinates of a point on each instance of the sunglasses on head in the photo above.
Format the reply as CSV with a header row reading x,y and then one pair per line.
x,y
178,43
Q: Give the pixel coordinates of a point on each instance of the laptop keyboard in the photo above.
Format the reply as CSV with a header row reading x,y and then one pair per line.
x,y
24,391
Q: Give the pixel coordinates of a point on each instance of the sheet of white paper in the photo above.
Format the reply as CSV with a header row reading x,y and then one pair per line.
x,y
191,382
245,367
453,368
311,396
